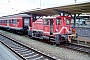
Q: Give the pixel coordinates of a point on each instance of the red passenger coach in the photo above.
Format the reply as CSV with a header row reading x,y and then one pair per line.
x,y
54,29
17,22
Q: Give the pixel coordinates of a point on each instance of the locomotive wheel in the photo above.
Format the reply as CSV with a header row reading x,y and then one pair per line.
x,y
76,35
49,40
57,39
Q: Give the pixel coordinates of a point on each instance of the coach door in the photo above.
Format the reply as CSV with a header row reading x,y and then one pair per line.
x,y
51,26
8,23
26,23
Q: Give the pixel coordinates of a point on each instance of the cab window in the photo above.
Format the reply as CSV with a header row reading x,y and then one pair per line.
x,y
46,22
58,21
68,21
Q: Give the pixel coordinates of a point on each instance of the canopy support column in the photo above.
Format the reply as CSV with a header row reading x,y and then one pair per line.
x,y
74,19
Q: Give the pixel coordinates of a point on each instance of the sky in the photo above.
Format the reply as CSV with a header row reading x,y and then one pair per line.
x,y
9,7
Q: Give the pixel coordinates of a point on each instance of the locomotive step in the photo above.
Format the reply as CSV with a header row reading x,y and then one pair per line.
x,y
52,39
38,37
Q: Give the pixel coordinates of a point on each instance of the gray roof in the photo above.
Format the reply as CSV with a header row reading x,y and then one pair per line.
x,y
15,15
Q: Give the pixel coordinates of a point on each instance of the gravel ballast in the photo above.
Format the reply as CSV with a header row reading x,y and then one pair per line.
x,y
59,53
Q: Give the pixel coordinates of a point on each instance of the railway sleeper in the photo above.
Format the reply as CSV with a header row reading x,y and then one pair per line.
x,y
38,58
23,50
28,54
32,56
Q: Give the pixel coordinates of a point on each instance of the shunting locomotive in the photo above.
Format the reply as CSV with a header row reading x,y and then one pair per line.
x,y
53,29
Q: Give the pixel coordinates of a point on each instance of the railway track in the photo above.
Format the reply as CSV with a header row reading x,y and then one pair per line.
x,y
77,47
22,50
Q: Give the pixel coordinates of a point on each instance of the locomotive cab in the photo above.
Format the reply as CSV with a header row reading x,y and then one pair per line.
x,y
57,28
58,25
62,28
63,25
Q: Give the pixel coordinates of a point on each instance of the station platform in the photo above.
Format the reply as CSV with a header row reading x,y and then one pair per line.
x,y
80,38
84,41
5,54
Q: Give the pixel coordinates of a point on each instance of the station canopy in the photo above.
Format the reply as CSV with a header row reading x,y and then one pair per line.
x,y
72,9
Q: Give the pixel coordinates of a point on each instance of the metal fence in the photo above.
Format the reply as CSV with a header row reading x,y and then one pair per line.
x,y
83,31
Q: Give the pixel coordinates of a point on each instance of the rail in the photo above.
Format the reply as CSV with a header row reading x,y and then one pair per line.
x,y
22,50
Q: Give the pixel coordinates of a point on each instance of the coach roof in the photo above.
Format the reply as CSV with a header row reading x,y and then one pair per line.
x,y
15,15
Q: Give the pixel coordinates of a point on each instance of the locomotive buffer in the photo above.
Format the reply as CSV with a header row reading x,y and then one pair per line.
x,y
73,35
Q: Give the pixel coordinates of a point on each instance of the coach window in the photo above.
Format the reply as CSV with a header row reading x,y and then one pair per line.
x,y
68,21
5,21
15,21
10,21
0,21
46,22
58,21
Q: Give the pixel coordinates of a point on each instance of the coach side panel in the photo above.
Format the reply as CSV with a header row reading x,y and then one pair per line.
x,y
15,24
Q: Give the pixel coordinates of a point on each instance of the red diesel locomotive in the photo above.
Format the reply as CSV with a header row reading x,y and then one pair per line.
x,y
53,29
